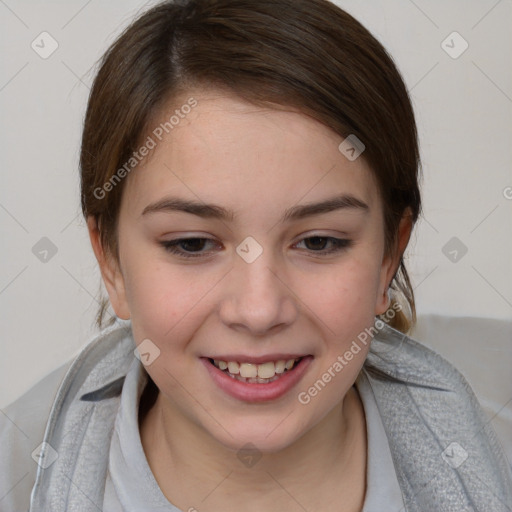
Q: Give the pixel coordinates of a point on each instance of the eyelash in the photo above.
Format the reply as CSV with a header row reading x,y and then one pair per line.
x,y
172,245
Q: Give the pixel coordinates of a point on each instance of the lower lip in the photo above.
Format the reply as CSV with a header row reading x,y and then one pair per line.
x,y
256,392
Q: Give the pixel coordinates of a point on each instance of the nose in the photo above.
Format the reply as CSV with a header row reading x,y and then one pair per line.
x,y
258,299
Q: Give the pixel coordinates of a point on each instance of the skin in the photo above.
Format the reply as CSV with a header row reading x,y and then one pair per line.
x,y
257,162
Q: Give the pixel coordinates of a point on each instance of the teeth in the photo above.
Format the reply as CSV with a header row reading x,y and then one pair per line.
x,y
255,373
280,366
233,367
266,370
248,370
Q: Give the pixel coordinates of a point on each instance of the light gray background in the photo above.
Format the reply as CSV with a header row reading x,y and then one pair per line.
x,y
463,111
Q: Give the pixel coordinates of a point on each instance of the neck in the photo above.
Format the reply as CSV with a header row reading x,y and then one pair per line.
x,y
187,462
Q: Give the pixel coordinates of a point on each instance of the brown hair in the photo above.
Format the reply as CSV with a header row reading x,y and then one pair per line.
x,y
306,54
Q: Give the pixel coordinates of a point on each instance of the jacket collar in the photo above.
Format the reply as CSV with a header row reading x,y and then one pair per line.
x,y
425,405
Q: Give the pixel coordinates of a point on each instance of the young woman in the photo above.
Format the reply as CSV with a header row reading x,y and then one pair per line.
x,y
250,183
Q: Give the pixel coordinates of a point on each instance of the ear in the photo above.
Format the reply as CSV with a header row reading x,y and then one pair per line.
x,y
391,262
110,272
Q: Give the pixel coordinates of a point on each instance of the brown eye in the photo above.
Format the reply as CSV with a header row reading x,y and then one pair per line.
x,y
317,244
187,247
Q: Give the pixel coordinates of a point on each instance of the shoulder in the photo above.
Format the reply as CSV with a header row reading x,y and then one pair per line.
x,y
398,365
396,357
22,426
438,433
25,423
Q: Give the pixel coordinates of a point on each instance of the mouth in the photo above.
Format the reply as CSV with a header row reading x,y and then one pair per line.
x,y
257,380
253,373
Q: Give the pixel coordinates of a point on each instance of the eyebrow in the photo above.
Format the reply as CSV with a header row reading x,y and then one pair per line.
x,y
212,211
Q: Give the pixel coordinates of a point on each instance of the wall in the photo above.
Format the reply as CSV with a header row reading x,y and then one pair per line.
x,y
459,257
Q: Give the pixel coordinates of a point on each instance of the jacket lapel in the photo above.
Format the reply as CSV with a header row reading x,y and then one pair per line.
x,y
80,426
440,439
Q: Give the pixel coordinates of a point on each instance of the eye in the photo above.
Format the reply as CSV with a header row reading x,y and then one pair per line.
x,y
318,244
192,246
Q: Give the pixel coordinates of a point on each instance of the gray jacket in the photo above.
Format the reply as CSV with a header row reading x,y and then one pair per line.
x,y
446,454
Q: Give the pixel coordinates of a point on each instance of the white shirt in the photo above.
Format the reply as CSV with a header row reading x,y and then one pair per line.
x,y
131,486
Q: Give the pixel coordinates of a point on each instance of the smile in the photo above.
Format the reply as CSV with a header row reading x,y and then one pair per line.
x,y
261,379
255,373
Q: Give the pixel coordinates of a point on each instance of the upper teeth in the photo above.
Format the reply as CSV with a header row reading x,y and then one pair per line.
x,y
250,370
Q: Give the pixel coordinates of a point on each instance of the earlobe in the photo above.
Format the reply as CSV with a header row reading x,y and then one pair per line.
x,y
110,272
383,295
391,263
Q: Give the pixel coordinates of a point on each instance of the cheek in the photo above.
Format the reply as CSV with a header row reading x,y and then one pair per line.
x,y
344,301
344,298
165,300
158,299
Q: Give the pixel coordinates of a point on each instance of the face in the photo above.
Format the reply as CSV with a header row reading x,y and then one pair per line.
x,y
224,258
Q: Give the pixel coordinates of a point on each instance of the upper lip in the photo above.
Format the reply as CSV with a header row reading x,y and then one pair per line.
x,y
257,359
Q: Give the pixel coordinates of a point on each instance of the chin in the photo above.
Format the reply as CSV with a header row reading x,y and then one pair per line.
x,y
265,437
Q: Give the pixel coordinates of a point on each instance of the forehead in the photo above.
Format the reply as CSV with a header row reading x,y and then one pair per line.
x,y
242,156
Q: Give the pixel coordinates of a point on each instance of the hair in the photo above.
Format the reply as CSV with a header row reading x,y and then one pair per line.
x,y
307,55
